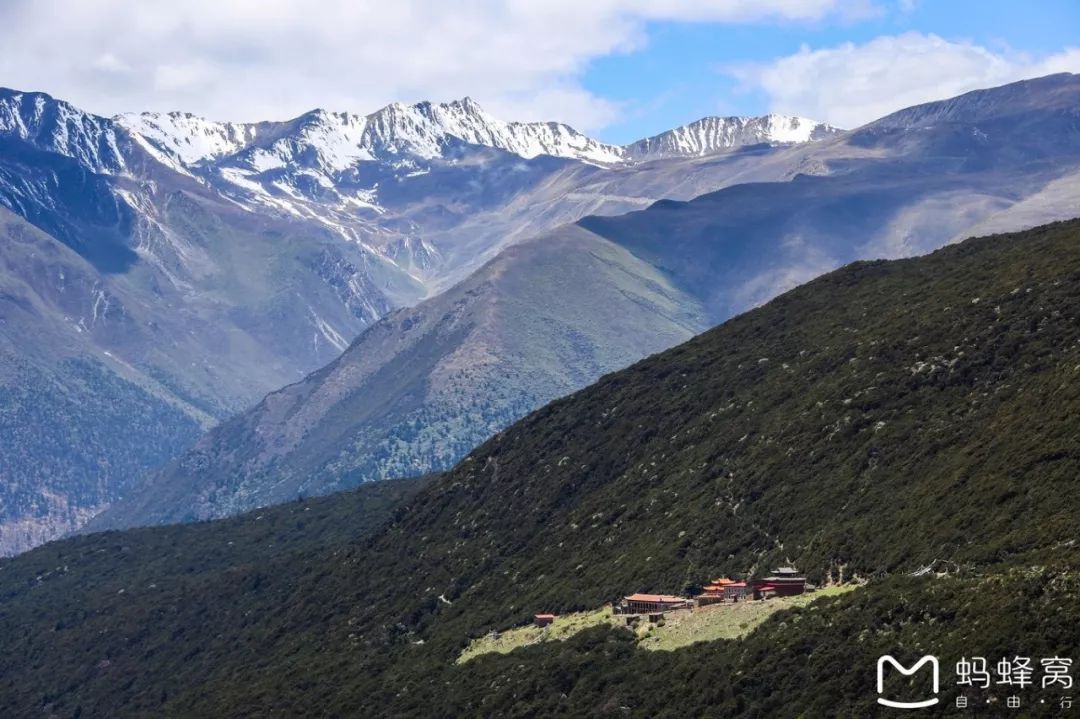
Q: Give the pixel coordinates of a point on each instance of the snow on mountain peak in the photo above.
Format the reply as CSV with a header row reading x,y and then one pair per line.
x,y
792,129
713,134
332,142
424,130
342,139
187,138
336,137
57,126
308,166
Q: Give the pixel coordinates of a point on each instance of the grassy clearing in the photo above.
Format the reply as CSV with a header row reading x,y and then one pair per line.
x,y
565,626
680,629
722,621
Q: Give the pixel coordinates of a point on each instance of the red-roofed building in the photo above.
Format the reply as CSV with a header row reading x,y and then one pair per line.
x,y
652,603
542,620
784,582
720,590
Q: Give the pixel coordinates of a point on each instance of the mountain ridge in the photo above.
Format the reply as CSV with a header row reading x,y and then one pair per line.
x,y
442,376
419,129
712,257
191,288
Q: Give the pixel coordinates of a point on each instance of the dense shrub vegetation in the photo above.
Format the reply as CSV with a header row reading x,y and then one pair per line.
x,y
885,417
66,445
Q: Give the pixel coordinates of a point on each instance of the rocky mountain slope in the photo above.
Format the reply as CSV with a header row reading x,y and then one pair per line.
x,y
378,177
339,140
416,391
179,269
712,134
879,419
425,385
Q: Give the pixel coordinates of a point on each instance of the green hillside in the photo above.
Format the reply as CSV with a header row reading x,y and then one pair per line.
x,y
885,417
66,445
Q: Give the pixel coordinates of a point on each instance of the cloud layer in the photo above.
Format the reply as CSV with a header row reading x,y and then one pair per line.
x,y
850,85
271,59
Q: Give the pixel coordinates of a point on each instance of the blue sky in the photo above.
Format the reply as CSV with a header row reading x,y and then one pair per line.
x,y
617,69
679,74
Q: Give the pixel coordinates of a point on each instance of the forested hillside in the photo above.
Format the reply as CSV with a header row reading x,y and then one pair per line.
x,y
884,417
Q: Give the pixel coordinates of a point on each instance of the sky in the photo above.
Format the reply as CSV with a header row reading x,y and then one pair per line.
x,y
617,69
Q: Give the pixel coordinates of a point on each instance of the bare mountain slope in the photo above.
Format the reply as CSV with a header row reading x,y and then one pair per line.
x,y
898,187
202,264
424,385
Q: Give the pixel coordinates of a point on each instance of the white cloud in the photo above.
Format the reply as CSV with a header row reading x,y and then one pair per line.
x,y
271,59
849,85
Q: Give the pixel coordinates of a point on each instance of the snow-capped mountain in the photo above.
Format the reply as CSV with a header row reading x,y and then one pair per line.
x,y
363,178
352,172
160,271
424,385
59,127
716,134
425,130
339,140
180,138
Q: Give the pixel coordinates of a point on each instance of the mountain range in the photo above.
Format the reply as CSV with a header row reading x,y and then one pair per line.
x,y
161,272
554,312
931,400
